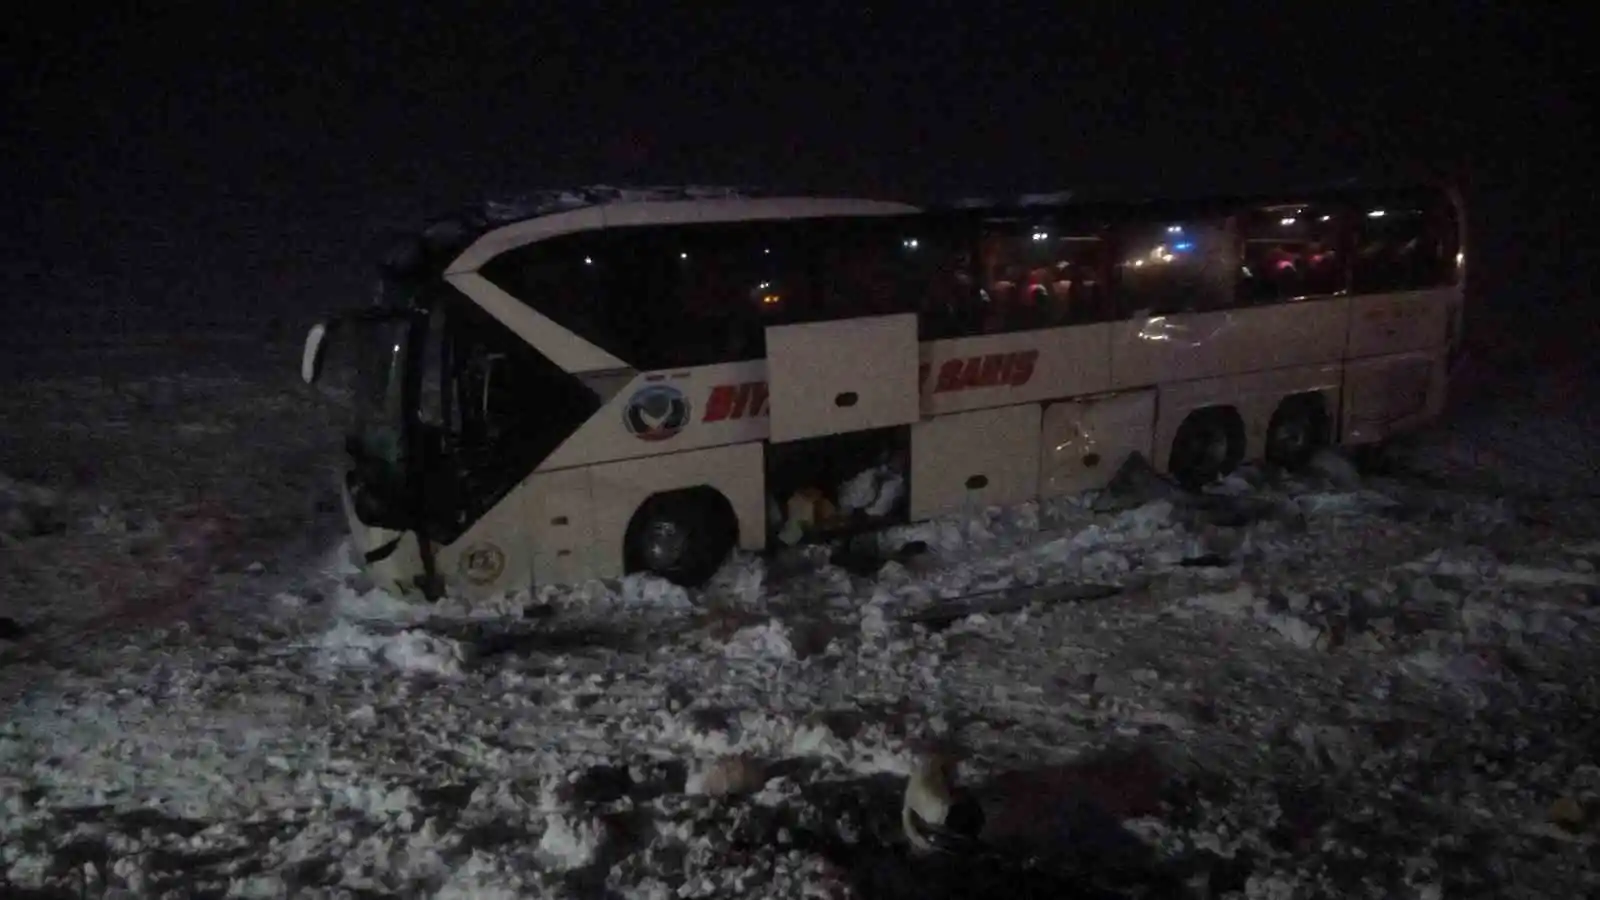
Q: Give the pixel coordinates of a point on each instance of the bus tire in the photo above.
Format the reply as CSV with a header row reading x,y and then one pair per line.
x,y
1298,429
682,536
1209,444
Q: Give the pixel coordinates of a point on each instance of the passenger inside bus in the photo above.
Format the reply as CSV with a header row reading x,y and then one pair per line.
x,y
1033,278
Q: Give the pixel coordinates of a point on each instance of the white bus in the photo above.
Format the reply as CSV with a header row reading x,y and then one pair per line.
x,y
607,381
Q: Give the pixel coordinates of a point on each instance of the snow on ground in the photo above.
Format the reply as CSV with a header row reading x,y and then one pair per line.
x,y
1291,687
150,487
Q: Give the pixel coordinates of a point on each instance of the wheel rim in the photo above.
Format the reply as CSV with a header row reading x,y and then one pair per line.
x,y
664,544
1209,448
1292,438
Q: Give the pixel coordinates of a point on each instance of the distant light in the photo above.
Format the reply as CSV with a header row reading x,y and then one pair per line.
x,y
683,256
1375,214
1460,258
910,243
1325,218
1041,235
770,299
1138,262
1174,229
1182,246
588,260
766,251
1287,220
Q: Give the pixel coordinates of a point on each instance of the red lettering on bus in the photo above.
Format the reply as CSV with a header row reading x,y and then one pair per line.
x,y
736,401
949,377
741,401
1021,370
994,370
720,404
749,400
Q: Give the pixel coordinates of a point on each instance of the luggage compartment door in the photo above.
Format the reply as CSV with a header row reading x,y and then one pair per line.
x,y
1391,394
1086,441
835,377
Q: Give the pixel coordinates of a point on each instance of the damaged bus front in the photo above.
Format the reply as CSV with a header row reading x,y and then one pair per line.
x,y
440,428
375,350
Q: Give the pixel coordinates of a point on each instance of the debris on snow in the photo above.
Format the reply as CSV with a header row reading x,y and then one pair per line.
x,y
727,775
349,645
770,640
570,842
11,629
653,591
28,511
1333,465
1137,481
1527,575
376,605
1568,814
1241,601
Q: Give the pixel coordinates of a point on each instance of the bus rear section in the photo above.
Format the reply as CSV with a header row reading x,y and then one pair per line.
x,y
645,386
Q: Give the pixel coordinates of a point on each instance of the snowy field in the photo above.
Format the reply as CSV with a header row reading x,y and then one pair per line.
x,y
1377,684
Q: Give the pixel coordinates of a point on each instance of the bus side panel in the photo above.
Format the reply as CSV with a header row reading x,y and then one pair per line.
x,y
619,487
1390,394
1385,324
560,511
496,554
1254,396
1084,442
1002,369
719,404
1158,349
985,458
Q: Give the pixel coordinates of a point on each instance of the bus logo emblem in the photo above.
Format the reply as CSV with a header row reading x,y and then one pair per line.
x,y
482,563
656,412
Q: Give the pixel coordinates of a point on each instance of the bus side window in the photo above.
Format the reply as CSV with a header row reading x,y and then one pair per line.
x,y
952,305
1403,246
1038,273
733,281
883,266
568,280
870,267
1175,267
1288,251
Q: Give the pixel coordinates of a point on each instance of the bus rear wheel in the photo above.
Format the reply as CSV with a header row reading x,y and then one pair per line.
x,y
1209,444
682,536
1298,429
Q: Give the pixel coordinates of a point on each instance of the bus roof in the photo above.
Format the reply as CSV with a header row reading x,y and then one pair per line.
x,y
1092,201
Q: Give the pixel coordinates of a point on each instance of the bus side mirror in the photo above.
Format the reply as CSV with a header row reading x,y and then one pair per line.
x,y
311,356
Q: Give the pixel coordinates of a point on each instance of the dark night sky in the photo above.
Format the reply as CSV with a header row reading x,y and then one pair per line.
x,y
201,160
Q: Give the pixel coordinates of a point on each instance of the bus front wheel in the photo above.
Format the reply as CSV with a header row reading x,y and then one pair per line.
x,y
682,536
1209,444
